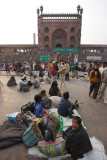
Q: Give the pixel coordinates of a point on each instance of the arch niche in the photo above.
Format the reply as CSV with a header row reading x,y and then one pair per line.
x,y
59,38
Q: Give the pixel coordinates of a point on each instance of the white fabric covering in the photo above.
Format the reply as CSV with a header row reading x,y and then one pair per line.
x,y
66,120
55,100
98,152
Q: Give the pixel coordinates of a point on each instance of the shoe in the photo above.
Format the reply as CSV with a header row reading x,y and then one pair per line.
x,y
100,97
94,100
89,95
81,156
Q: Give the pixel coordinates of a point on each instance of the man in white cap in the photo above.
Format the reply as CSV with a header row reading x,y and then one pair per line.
x,y
53,72
21,83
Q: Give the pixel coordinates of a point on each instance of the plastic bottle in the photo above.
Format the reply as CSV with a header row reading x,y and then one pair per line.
x,y
10,118
61,124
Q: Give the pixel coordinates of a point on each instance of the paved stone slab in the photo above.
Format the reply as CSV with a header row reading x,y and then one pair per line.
x,y
94,114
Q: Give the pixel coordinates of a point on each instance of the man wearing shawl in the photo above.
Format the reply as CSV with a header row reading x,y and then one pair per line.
x,y
77,140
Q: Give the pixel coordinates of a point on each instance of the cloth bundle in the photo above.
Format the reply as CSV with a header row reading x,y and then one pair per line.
x,y
47,127
26,117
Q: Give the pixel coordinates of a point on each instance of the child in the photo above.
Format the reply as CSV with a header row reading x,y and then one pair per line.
x,y
38,111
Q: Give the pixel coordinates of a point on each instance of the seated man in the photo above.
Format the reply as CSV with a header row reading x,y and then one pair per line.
x,y
65,108
36,72
11,82
76,139
36,82
22,82
46,79
46,103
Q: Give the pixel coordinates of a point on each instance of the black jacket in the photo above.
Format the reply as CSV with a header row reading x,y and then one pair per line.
x,y
77,141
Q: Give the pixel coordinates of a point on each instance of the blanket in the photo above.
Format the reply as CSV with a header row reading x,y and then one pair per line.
x,y
11,133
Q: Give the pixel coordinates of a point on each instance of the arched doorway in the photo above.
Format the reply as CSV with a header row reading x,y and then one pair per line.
x,y
59,38
46,46
58,45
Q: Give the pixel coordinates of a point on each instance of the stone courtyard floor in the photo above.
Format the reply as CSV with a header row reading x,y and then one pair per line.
x,y
94,114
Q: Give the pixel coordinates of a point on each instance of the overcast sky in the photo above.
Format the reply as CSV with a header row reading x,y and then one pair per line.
x,y
18,19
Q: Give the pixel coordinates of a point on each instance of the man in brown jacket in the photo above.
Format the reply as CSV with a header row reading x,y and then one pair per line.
x,y
95,80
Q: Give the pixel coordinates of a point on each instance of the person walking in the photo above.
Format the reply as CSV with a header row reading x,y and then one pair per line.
x,y
53,72
57,69
7,67
72,69
75,71
67,66
104,85
95,79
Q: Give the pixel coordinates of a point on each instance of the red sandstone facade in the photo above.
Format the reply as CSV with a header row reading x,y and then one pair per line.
x,y
15,48
59,30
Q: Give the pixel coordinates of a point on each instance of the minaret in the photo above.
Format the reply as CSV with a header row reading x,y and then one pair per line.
x,y
34,38
38,11
78,9
41,9
81,11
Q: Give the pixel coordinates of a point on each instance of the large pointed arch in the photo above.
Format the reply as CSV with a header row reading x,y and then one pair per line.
x,y
59,36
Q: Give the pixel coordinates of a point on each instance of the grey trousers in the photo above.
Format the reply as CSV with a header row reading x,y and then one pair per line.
x,y
102,89
75,74
53,78
105,97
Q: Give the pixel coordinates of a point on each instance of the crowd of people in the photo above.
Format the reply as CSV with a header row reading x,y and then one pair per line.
x,y
95,73
76,137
